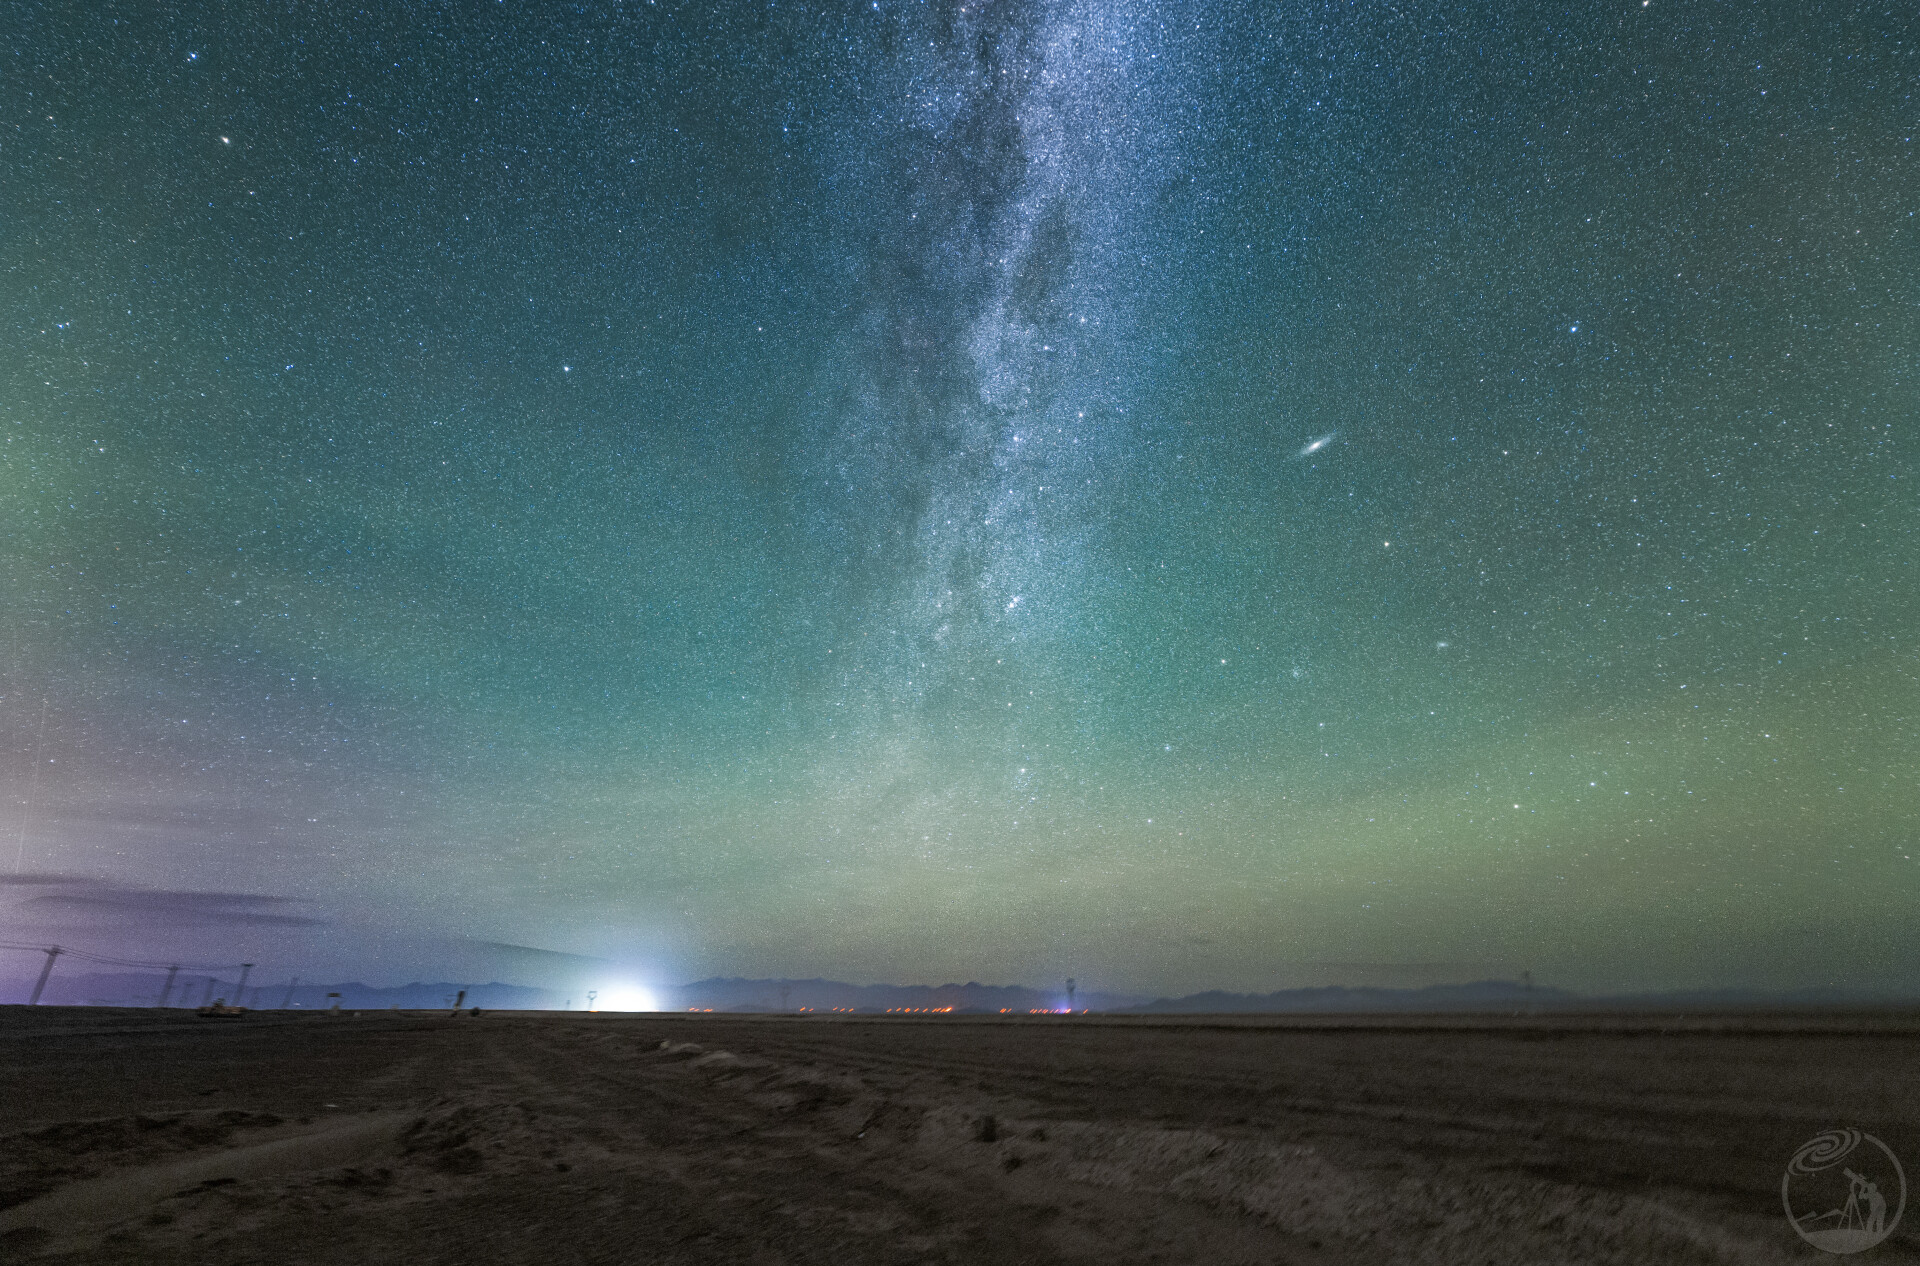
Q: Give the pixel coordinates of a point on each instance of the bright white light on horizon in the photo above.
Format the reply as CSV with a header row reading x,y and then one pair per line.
x,y
626,998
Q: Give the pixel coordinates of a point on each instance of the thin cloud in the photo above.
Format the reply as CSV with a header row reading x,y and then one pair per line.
x,y
43,879
543,953
128,904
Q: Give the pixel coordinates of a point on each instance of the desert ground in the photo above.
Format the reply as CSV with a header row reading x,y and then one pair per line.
x,y
522,1137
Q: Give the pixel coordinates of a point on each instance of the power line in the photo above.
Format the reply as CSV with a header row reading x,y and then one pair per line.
x,y
122,962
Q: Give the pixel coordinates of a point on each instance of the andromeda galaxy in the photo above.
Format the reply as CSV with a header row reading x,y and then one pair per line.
x,y
748,490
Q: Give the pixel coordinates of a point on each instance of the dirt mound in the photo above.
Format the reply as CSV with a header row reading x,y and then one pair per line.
x,y
466,1138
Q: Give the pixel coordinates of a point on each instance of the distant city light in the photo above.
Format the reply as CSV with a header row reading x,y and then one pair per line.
x,y
626,998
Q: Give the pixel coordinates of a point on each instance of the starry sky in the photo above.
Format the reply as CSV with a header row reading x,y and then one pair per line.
x,y
1182,495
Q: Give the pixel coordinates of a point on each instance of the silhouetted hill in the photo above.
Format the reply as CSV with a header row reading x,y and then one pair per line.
x,y
1479,995
142,989
735,994
1502,995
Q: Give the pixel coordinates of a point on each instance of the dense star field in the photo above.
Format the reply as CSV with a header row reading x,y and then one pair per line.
x,y
1186,496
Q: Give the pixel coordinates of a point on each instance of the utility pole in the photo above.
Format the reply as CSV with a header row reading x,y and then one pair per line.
x,y
240,990
288,1000
52,953
1070,991
206,999
166,990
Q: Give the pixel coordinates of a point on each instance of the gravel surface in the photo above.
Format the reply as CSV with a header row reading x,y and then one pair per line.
x,y
143,1136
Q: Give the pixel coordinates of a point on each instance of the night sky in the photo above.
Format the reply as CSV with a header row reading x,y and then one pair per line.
x,y
1181,495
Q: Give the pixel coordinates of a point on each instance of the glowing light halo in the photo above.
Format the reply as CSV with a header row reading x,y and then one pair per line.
x,y
626,997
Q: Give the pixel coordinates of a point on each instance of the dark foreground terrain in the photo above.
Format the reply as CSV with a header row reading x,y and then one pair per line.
x,y
143,1136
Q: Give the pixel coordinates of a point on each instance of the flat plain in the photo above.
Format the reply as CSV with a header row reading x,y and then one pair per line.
x,y
524,1137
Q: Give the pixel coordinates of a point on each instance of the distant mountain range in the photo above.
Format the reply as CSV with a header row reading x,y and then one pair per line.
x,y
732,994
1501,995
142,989
736,995
1478,996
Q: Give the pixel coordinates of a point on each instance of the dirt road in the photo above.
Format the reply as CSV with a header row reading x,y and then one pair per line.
x,y
538,1138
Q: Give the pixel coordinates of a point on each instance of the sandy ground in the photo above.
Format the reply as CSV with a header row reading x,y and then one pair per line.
x,y
141,1136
